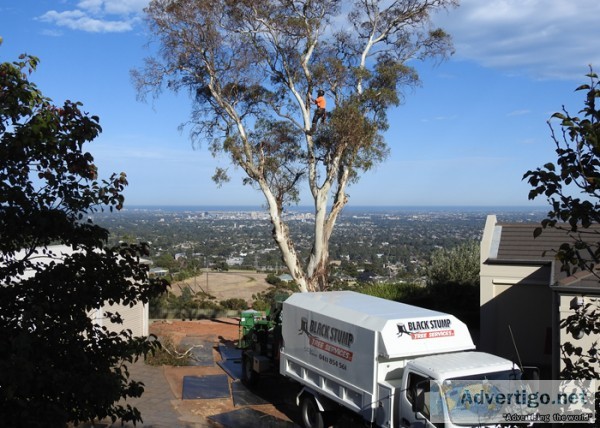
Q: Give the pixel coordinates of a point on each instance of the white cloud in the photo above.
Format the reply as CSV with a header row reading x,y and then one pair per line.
x,y
99,16
78,20
540,38
116,7
519,112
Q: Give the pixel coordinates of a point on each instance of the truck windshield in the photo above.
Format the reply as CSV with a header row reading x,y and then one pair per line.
x,y
478,399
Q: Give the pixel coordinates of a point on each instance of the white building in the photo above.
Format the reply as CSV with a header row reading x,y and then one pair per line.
x,y
135,318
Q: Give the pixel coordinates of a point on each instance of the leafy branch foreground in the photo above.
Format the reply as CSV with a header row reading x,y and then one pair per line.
x,y
576,172
580,356
57,364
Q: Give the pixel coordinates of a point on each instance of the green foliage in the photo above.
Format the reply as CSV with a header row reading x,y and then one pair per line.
x,y
190,305
349,269
221,266
453,282
274,280
455,266
580,362
264,300
167,261
187,303
56,365
354,138
234,304
577,170
253,68
461,301
403,292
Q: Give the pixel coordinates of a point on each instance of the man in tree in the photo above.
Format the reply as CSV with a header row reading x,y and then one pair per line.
x,y
320,111
56,364
250,67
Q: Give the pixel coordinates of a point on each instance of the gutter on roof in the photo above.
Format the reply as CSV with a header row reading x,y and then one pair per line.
x,y
576,283
518,262
576,288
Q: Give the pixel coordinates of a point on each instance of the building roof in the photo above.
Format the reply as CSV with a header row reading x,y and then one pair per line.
x,y
516,243
579,282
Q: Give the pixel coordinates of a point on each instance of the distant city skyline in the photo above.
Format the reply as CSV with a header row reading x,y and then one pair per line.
x,y
355,207
465,138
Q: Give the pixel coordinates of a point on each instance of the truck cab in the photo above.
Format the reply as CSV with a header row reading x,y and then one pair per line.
x,y
430,392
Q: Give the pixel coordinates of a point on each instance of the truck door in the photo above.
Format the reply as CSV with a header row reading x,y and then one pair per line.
x,y
414,401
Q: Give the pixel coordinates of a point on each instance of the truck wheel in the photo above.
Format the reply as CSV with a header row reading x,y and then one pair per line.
x,y
249,376
312,417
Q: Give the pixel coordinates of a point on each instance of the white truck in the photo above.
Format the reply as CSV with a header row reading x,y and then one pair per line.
x,y
377,358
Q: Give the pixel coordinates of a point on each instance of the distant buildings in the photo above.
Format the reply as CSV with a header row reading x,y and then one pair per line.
x,y
395,243
158,272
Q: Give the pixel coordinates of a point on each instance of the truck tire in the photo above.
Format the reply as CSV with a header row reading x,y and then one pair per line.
x,y
312,417
249,376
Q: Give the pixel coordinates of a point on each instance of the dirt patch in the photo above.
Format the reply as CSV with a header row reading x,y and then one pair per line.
x,y
225,285
222,331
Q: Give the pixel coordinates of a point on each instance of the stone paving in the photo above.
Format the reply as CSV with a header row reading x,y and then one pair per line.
x,y
157,404
162,404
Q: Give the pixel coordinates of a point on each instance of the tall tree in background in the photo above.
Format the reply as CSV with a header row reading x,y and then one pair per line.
x,y
56,365
457,266
252,67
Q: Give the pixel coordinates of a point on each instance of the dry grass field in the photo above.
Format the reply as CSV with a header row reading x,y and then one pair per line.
x,y
225,285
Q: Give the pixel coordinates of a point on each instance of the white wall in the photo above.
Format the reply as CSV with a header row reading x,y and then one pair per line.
x,y
135,318
514,297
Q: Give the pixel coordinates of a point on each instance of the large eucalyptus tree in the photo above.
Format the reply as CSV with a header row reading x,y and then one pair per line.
x,y
252,68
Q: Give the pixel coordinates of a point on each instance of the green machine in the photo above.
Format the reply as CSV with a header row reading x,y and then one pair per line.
x,y
260,340
248,321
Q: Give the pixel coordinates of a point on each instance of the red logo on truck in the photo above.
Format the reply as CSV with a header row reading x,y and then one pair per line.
x,y
332,349
426,329
432,334
317,330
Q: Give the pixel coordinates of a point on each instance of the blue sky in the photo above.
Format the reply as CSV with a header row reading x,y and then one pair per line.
x,y
466,137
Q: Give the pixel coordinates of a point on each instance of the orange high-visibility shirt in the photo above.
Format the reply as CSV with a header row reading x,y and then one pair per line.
x,y
320,102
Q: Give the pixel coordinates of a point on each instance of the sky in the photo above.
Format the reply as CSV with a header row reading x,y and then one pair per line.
x,y
466,136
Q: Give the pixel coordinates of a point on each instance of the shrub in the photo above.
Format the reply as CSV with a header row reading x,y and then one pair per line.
x,y
396,292
234,304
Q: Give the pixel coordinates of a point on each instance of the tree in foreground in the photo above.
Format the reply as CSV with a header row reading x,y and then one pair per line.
x,y
56,365
577,171
252,69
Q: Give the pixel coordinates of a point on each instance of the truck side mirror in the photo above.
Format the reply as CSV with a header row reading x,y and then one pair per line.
x,y
531,373
420,402
412,399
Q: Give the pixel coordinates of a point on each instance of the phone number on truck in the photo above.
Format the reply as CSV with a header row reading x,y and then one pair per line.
x,y
333,361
